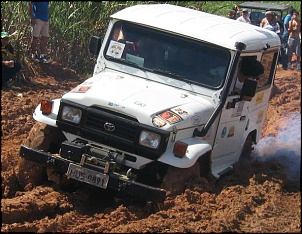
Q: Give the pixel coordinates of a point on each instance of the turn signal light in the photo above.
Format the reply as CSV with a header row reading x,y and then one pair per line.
x,y
46,106
180,149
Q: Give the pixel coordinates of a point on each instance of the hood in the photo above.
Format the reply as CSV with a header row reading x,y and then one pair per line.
x,y
151,103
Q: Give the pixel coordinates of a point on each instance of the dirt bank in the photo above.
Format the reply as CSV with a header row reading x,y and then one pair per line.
x,y
258,196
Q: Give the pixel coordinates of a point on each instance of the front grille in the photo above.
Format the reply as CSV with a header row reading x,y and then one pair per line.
x,y
124,136
123,128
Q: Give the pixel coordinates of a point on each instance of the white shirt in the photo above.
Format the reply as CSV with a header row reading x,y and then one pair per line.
x,y
274,26
244,20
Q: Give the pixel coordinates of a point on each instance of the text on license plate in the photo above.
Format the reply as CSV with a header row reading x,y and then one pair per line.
x,y
88,176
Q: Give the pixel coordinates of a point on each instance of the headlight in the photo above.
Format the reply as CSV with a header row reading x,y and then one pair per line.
x,y
71,114
149,139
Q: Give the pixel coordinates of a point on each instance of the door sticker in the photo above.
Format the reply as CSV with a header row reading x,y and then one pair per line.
x,y
259,98
238,109
231,131
260,116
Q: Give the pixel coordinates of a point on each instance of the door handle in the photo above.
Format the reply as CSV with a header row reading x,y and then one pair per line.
x,y
242,118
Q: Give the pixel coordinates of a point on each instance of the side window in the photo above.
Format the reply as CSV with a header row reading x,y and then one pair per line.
x,y
248,67
268,60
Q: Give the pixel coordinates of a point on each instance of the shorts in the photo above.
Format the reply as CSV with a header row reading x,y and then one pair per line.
x,y
294,45
41,28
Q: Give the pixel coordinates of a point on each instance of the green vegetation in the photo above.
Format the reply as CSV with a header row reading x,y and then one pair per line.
x,y
73,23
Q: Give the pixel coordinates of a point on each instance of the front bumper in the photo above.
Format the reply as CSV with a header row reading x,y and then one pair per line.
x,y
115,182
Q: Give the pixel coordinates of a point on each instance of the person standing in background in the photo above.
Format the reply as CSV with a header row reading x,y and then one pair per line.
x,y
271,22
39,16
231,15
294,44
244,18
10,66
284,39
265,19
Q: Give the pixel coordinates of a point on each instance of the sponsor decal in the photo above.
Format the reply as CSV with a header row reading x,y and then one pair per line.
x,y
116,105
260,116
195,120
119,77
231,131
181,112
170,117
158,122
140,103
80,89
238,109
87,83
115,49
259,98
223,132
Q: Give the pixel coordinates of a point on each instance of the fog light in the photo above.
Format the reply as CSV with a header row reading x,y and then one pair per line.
x,y
180,149
46,106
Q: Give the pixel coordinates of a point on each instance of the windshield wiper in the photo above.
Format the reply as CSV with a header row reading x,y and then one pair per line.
x,y
155,70
124,61
170,74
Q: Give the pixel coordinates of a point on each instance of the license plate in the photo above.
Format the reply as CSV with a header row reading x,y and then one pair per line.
x,y
88,176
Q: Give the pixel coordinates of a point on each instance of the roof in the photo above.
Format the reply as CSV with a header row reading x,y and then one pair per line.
x,y
272,6
199,25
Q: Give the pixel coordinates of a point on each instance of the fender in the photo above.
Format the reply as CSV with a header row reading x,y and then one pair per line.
x,y
196,148
48,119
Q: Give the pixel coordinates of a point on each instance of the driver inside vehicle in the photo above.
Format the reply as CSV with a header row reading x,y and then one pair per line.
x,y
145,48
139,48
118,34
249,67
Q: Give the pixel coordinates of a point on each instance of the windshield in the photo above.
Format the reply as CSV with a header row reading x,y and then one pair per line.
x,y
181,58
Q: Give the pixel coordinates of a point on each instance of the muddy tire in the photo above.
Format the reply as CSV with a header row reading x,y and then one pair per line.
x,y
174,181
41,137
248,147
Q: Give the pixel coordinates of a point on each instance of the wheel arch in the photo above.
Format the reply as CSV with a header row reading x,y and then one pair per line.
x,y
196,148
48,119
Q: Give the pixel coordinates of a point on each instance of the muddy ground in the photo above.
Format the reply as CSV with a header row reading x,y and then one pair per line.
x,y
260,195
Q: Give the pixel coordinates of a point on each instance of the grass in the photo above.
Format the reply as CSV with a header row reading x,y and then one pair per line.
x,y
73,23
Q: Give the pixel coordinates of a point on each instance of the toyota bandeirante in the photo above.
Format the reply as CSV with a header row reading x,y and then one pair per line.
x,y
160,106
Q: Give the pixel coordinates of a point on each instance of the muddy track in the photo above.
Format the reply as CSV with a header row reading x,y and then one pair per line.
x,y
257,196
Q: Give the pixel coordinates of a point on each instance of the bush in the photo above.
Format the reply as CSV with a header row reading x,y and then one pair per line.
x,y
73,23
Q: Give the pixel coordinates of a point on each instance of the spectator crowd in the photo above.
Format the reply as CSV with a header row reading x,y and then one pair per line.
x,y
288,29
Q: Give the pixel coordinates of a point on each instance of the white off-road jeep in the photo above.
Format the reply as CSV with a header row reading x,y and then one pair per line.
x,y
160,107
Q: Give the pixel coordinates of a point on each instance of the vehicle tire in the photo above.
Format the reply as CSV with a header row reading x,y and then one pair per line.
x,y
42,137
247,148
175,179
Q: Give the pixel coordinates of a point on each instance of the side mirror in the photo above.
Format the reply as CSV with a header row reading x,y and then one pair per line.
x,y
249,89
95,45
231,101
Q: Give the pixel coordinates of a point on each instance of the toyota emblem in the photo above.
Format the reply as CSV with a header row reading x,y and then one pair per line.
x,y
109,127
